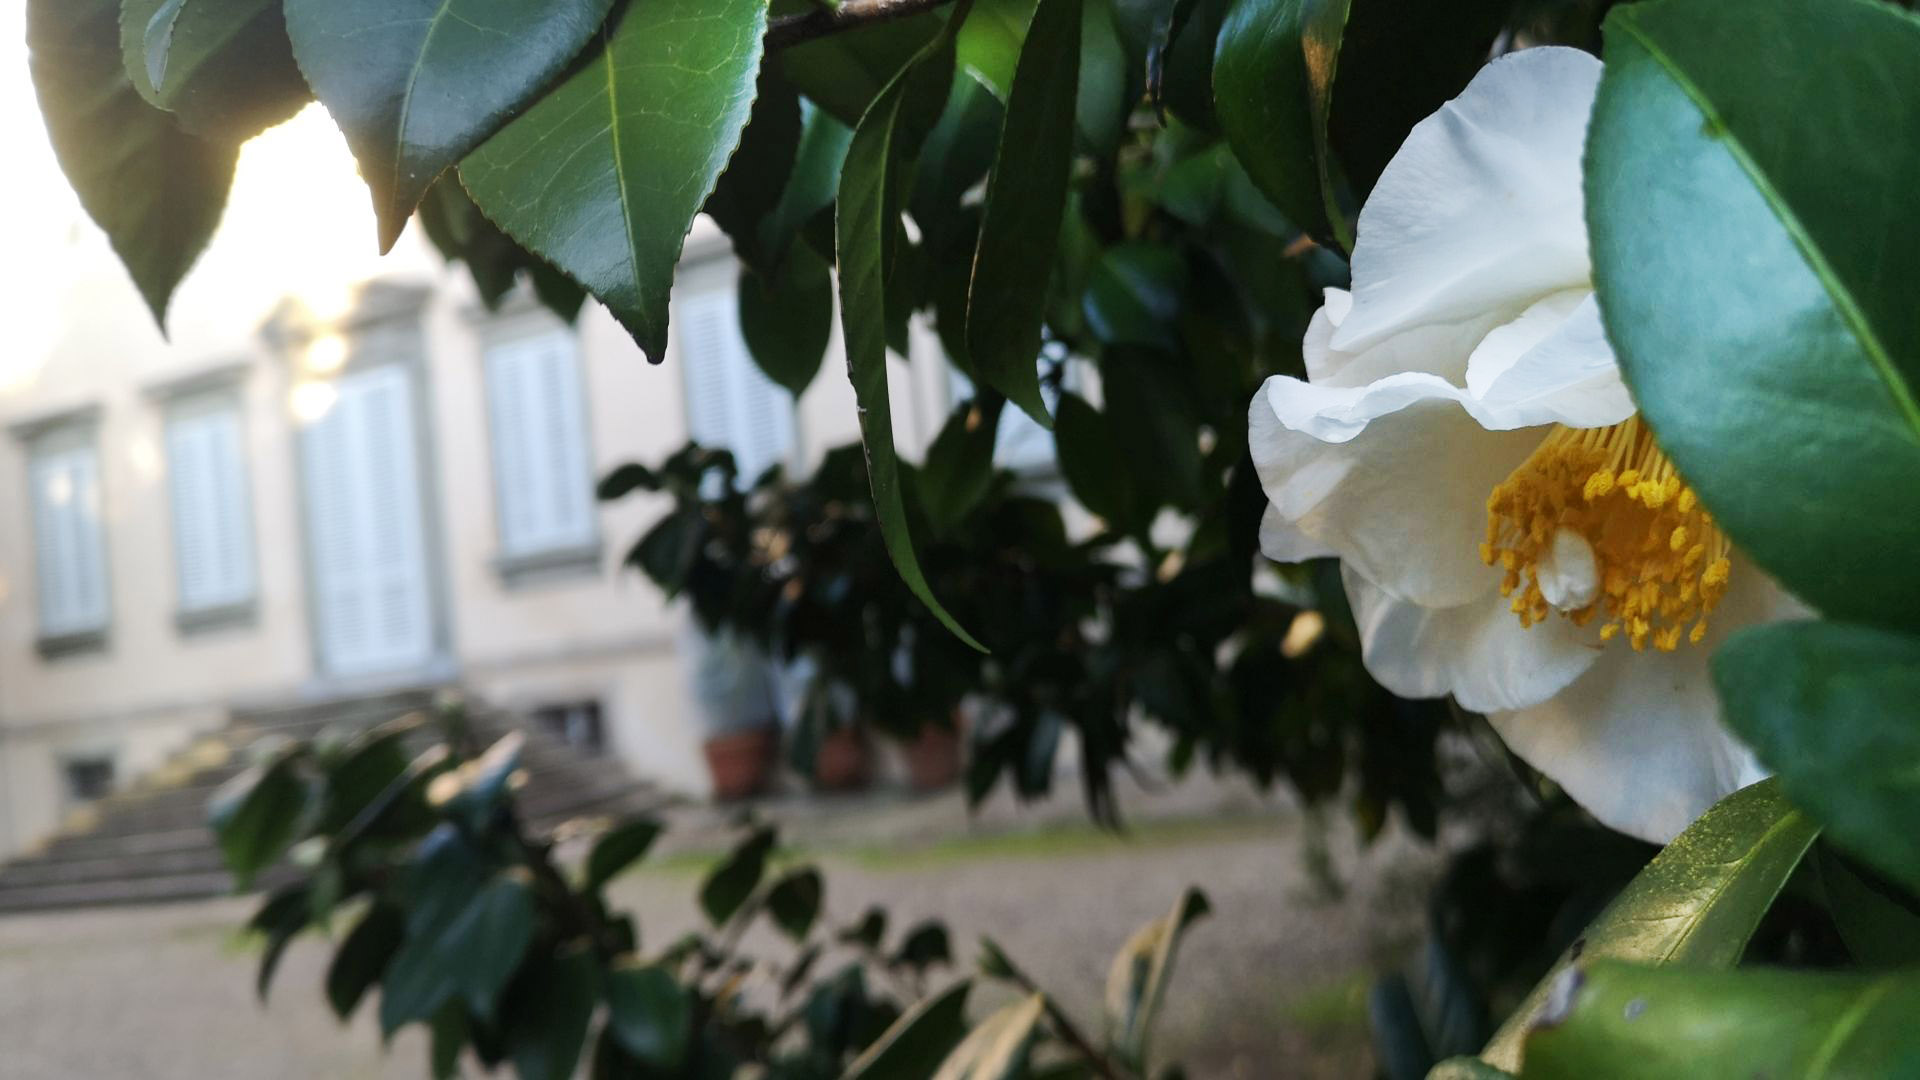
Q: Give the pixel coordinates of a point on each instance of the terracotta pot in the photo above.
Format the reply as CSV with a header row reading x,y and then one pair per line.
x,y
841,762
933,759
741,762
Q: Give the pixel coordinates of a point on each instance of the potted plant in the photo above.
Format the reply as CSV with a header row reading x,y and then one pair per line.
x,y
733,689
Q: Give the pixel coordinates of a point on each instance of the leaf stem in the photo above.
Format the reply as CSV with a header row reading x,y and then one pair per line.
x,y
790,30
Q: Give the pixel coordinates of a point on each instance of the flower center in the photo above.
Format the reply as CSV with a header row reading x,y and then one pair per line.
x,y
1598,523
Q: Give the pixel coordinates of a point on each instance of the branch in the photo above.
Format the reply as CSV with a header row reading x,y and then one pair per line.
x,y
790,30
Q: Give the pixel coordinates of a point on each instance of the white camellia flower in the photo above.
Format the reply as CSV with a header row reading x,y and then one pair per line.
x,y
1509,531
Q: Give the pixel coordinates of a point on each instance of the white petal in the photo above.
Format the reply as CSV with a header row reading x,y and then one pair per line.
x,y
1637,740
1565,375
1439,349
1481,207
1478,651
1393,477
1282,541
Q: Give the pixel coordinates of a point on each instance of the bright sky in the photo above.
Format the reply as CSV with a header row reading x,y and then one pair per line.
x,y
298,222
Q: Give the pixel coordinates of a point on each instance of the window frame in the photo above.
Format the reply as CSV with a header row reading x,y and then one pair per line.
x,y
63,432
190,400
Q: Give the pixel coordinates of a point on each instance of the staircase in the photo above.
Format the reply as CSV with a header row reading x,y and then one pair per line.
x,y
151,843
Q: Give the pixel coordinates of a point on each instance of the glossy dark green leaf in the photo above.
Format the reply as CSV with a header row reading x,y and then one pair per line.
x,y
927,1032
954,159
620,847
373,762
794,901
1273,72
756,176
1091,459
1787,386
362,958
432,80
1830,707
786,317
1879,921
599,179
462,233
650,1014
843,73
450,1030
1695,905
811,183
1397,64
738,875
549,1012
255,816
156,191
869,931
924,946
1000,1047
1103,101
988,46
1137,981
473,794
461,942
866,219
1134,295
959,467
223,68
1618,1019
1026,194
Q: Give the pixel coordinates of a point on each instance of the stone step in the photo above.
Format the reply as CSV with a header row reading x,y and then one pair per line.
x,y
95,893
204,859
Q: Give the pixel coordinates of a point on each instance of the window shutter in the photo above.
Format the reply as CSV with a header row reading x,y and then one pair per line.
x,y
213,545
373,609
70,551
543,474
730,402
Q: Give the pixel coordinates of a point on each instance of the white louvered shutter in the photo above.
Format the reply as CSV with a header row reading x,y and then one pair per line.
x,y
213,537
373,608
730,402
69,546
543,475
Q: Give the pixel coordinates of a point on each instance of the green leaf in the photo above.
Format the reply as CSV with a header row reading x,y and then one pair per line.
x,y
787,318
924,946
988,46
1102,102
449,1035
867,217
733,881
1134,295
256,814
466,934
1786,385
757,174
999,1048
927,1032
1137,982
373,762
287,912
812,182
1026,194
620,847
1879,921
650,1015
474,792
1273,72
603,182
548,1014
417,84
1093,463
223,68
844,73
156,191
363,956
461,232
794,902
1830,706
868,932
1695,904
1467,1068
1617,1019
959,468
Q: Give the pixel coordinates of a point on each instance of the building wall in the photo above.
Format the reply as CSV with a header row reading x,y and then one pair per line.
x,y
598,632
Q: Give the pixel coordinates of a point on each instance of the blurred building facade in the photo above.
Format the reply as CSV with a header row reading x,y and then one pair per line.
x,y
340,475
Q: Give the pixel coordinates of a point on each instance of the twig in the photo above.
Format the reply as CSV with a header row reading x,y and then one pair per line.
x,y
790,30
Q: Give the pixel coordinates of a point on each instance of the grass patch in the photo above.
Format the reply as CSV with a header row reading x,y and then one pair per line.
x,y
1065,840
1333,1014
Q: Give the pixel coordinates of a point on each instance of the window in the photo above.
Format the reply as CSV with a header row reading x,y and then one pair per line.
x,y
730,402
575,723
63,478
543,475
88,778
212,533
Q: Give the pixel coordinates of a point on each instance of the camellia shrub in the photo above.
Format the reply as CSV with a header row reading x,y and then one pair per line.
x,y
1581,333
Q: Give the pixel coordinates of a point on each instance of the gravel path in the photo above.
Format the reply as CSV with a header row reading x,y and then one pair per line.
x,y
1270,986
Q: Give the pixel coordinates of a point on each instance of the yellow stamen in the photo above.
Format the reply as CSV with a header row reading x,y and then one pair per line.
x,y
1662,562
